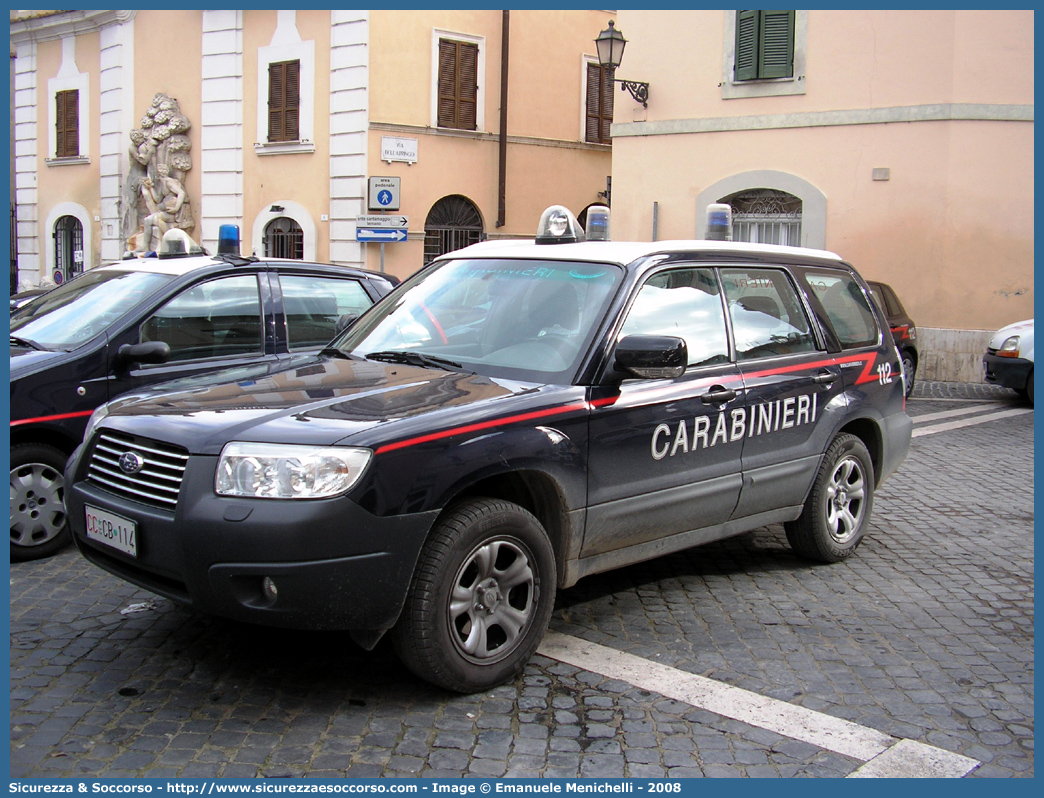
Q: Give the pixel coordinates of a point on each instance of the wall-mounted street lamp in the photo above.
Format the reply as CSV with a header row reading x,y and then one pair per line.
x,y
610,44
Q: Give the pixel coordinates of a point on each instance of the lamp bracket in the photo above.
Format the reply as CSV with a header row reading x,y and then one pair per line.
x,y
639,91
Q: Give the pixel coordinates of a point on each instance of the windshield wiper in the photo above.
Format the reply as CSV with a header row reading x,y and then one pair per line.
x,y
415,359
28,343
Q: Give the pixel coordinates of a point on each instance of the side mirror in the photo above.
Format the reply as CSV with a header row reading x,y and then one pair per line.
x,y
147,352
652,357
344,322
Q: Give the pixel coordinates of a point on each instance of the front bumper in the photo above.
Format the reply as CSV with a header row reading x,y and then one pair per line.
x,y
335,565
1009,372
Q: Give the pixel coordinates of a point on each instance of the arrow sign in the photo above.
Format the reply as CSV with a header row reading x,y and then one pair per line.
x,y
363,235
382,221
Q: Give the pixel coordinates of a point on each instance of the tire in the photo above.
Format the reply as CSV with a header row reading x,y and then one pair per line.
x,y
1029,389
909,370
481,597
838,509
38,523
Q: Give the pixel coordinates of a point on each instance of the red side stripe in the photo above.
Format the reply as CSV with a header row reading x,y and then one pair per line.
x,y
59,417
449,433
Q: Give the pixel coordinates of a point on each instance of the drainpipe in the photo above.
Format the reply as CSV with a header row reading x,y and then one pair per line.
x,y
502,187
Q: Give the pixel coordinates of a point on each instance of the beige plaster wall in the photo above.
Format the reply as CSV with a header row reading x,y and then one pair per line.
x,y
301,177
73,183
155,71
951,230
547,163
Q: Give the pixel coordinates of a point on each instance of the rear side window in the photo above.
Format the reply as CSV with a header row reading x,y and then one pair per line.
x,y
313,305
767,317
846,308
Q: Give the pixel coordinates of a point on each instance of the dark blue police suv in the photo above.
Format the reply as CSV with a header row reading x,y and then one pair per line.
x,y
514,417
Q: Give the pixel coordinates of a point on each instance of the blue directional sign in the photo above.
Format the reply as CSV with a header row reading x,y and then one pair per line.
x,y
363,235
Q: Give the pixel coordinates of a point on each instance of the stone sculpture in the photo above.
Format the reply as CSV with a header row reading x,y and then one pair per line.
x,y
154,196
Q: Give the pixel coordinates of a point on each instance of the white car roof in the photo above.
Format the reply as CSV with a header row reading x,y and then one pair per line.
x,y
172,266
624,252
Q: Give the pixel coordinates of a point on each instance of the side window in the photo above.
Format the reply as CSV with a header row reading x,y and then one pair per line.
x,y
685,303
846,308
313,304
220,318
767,317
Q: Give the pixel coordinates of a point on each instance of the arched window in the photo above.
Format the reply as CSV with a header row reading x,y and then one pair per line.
x,y
284,238
766,216
68,248
452,223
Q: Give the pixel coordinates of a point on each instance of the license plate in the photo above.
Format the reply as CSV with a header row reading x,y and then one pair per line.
x,y
112,530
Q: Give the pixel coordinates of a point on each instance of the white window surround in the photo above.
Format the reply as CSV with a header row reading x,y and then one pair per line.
x,y
69,78
286,45
773,87
57,212
291,210
480,99
813,201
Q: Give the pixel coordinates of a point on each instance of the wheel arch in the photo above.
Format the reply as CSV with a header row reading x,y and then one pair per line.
x,y
533,490
869,432
44,436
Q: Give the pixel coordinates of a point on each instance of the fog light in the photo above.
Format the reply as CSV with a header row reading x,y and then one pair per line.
x,y
268,587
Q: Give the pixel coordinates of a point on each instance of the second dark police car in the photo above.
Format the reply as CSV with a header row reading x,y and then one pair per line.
x,y
512,418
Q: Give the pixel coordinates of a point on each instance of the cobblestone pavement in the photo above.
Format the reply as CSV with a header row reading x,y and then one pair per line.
x,y
926,633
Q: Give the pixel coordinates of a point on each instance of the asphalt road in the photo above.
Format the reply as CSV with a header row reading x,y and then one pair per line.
x,y
913,657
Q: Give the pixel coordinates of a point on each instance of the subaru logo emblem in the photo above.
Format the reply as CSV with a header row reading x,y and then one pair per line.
x,y
131,462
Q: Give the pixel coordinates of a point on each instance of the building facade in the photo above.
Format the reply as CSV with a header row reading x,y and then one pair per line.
x,y
903,140
477,119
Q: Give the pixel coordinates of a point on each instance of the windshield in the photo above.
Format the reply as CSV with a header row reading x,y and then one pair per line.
x,y
527,320
74,313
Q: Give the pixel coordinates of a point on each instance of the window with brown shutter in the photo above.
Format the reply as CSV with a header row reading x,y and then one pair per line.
x,y
458,84
284,101
67,124
599,104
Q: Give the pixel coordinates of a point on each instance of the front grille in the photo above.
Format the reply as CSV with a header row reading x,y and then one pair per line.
x,y
158,481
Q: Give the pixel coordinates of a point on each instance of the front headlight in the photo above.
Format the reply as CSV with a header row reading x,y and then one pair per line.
x,y
281,471
1010,347
100,412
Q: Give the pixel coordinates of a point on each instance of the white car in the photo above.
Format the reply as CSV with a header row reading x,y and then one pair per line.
x,y
1009,358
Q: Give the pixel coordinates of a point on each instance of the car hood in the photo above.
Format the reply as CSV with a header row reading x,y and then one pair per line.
x,y
25,360
325,401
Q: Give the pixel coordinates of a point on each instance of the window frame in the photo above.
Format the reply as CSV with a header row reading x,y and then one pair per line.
x,y
69,80
282,51
732,89
437,35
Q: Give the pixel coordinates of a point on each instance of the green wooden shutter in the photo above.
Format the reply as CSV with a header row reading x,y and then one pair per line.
x,y
746,65
776,46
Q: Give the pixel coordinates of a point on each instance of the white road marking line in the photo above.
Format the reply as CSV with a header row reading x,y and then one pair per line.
x,y
909,759
960,411
969,422
789,720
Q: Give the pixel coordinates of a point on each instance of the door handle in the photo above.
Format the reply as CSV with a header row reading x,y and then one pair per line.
x,y
718,395
826,378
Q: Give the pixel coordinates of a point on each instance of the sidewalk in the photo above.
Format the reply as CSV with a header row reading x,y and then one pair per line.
x,y
932,389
